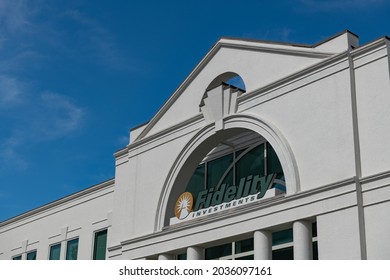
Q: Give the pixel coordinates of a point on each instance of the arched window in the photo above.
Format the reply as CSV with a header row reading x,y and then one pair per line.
x,y
231,168
239,170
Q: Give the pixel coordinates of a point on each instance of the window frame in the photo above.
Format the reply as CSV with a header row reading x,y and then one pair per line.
x,y
52,245
242,149
94,240
17,257
30,252
285,245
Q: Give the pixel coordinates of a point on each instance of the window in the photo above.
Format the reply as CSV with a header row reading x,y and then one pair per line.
x,y
282,247
181,256
100,245
216,169
217,252
251,163
55,252
17,258
315,241
238,250
197,181
260,159
32,255
72,249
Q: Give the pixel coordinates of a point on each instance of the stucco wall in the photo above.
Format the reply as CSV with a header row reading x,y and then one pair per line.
x,y
78,217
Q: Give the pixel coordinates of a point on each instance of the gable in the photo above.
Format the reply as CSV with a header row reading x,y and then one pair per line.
x,y
257,63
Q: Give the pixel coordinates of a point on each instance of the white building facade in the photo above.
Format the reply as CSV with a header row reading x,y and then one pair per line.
x,y
290,162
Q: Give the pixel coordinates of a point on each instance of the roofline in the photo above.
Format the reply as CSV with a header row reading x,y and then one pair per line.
x,y
384,40
86,191
139,125
334,36
264,41
373,41
289,43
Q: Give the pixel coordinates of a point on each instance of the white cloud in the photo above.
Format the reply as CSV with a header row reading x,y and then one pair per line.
x,y
96,41
59,116
285,34
14,15
123,140
30,116
39,118
9,155
10,91
28,27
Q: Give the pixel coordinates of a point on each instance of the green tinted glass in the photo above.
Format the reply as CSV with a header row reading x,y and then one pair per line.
x,y
314,230
281,237
283,254
218,251
315,250
244,245
252,163
182,256
72,249
100,245
273,163
217,168
32,255
197,181
17,258
55,252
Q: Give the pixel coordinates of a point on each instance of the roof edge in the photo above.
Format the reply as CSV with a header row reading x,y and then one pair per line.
x,y
86,191
333,37
270,42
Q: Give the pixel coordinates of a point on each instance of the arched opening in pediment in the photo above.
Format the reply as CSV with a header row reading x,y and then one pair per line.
x,y
220,97
229,78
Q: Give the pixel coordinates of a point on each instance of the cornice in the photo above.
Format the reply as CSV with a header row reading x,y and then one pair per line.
x,y
162,133
384,41
121,152
279,49
282,199
338,58
71,197
375,177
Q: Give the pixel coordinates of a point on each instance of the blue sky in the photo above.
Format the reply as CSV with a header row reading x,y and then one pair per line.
x,y
75,76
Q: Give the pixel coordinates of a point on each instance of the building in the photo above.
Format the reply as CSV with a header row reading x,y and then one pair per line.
x,y
293,162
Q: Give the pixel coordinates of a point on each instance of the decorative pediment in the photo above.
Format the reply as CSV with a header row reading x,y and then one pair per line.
x,y
258,63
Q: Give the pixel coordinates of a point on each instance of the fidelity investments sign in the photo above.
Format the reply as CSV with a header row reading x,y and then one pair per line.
x,y
210,201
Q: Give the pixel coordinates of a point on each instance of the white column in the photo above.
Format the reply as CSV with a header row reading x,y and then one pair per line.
x,y
165,257
262,245
195,253
303,246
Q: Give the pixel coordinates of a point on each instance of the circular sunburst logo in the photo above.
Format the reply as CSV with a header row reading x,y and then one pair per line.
x,y
184,205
